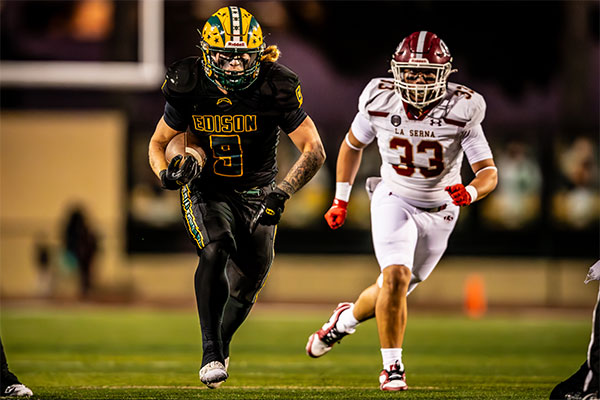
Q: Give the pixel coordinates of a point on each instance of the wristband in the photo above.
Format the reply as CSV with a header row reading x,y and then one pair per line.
x,y
340,203
472,192
342,191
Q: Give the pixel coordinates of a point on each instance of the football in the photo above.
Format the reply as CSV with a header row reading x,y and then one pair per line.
x,y
178,146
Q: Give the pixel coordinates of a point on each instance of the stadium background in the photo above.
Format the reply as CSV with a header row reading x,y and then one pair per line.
x,y
80,98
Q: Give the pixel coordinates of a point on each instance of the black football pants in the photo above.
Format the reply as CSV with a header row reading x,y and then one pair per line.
x,y
233,262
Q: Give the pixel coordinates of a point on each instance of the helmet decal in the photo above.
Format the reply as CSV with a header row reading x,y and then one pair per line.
x,y
213,32
254,33
400,46
236,30
444,49
421,42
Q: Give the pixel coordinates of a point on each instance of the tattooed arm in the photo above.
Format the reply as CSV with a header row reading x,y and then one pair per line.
x,y
307,140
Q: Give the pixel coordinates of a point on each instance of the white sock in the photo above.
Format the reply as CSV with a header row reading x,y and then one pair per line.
x,y
390,356
347,322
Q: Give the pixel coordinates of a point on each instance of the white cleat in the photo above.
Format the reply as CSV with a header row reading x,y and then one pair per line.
x,y
17,390
321,342
215,385
213,373
393,380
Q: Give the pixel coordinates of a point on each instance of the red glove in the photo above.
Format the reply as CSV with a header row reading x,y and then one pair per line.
x,y
460,195
336,215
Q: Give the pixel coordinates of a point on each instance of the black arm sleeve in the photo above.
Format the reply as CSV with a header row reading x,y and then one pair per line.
x,y
292,120
174,118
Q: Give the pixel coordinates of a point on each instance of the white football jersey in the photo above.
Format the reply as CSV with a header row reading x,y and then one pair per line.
x,y
421,157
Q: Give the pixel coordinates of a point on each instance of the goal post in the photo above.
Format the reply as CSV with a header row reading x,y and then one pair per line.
x,y
146,73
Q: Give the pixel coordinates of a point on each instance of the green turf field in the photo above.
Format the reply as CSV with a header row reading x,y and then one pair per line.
x,y
137,353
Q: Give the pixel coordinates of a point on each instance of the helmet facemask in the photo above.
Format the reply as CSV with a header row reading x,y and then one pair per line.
x,y
232,69
416,92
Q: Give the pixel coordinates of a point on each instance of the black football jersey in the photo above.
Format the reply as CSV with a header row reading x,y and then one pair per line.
x,y
239,131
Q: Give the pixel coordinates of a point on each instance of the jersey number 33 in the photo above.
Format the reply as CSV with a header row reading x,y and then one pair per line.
x,y
407,167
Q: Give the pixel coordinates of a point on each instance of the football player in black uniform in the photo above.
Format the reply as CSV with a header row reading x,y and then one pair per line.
x,y
234,99
10,386
584,384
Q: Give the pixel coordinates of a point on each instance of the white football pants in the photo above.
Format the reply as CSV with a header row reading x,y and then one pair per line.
x,y
405,235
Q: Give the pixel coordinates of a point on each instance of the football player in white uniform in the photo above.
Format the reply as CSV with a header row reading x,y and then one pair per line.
x,y
423,125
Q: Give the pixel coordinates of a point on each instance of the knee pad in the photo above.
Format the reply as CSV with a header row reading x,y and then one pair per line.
x,y
239,303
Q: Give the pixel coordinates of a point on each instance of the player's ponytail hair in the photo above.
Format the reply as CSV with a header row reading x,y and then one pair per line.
x,y
271,54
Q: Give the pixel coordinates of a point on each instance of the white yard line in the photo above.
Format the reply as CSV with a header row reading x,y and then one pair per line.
x,y
277,387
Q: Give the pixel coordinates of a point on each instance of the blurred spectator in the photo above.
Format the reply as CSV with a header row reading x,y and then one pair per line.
x,y
577,200
81,245
42,262
517,199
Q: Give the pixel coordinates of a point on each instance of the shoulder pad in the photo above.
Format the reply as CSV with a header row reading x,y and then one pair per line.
x,y
469,106
282,85
181,77
377,88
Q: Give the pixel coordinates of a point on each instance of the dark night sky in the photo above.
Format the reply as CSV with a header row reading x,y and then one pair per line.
x,y
510,42
536,64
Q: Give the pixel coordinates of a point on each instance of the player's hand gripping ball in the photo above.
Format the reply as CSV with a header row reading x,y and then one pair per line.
x,y
179,172
185,162
273,207
178,146
336,216
459,194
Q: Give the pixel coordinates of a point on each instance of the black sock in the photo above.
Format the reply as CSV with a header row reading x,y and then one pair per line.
x,y
571,385
212,292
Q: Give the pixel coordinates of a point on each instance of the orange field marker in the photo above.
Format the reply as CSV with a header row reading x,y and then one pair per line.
x,y
475,298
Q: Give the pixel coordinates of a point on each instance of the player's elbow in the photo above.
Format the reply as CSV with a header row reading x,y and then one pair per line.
x,y
490,181
155,147
493,179
322,155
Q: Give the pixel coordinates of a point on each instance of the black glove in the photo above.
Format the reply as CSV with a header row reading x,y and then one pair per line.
x,y
176,175
272,207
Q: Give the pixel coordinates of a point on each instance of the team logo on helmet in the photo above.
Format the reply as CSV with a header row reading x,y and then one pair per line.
x,y
232,45
444,48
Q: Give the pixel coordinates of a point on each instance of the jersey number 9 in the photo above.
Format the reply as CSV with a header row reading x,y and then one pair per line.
x,y
227,151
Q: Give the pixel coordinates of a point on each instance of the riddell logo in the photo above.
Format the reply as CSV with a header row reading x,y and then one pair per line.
x,y
420,60
236,44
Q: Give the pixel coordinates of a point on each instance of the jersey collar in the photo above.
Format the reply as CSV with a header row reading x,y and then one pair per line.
x,y
416,114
